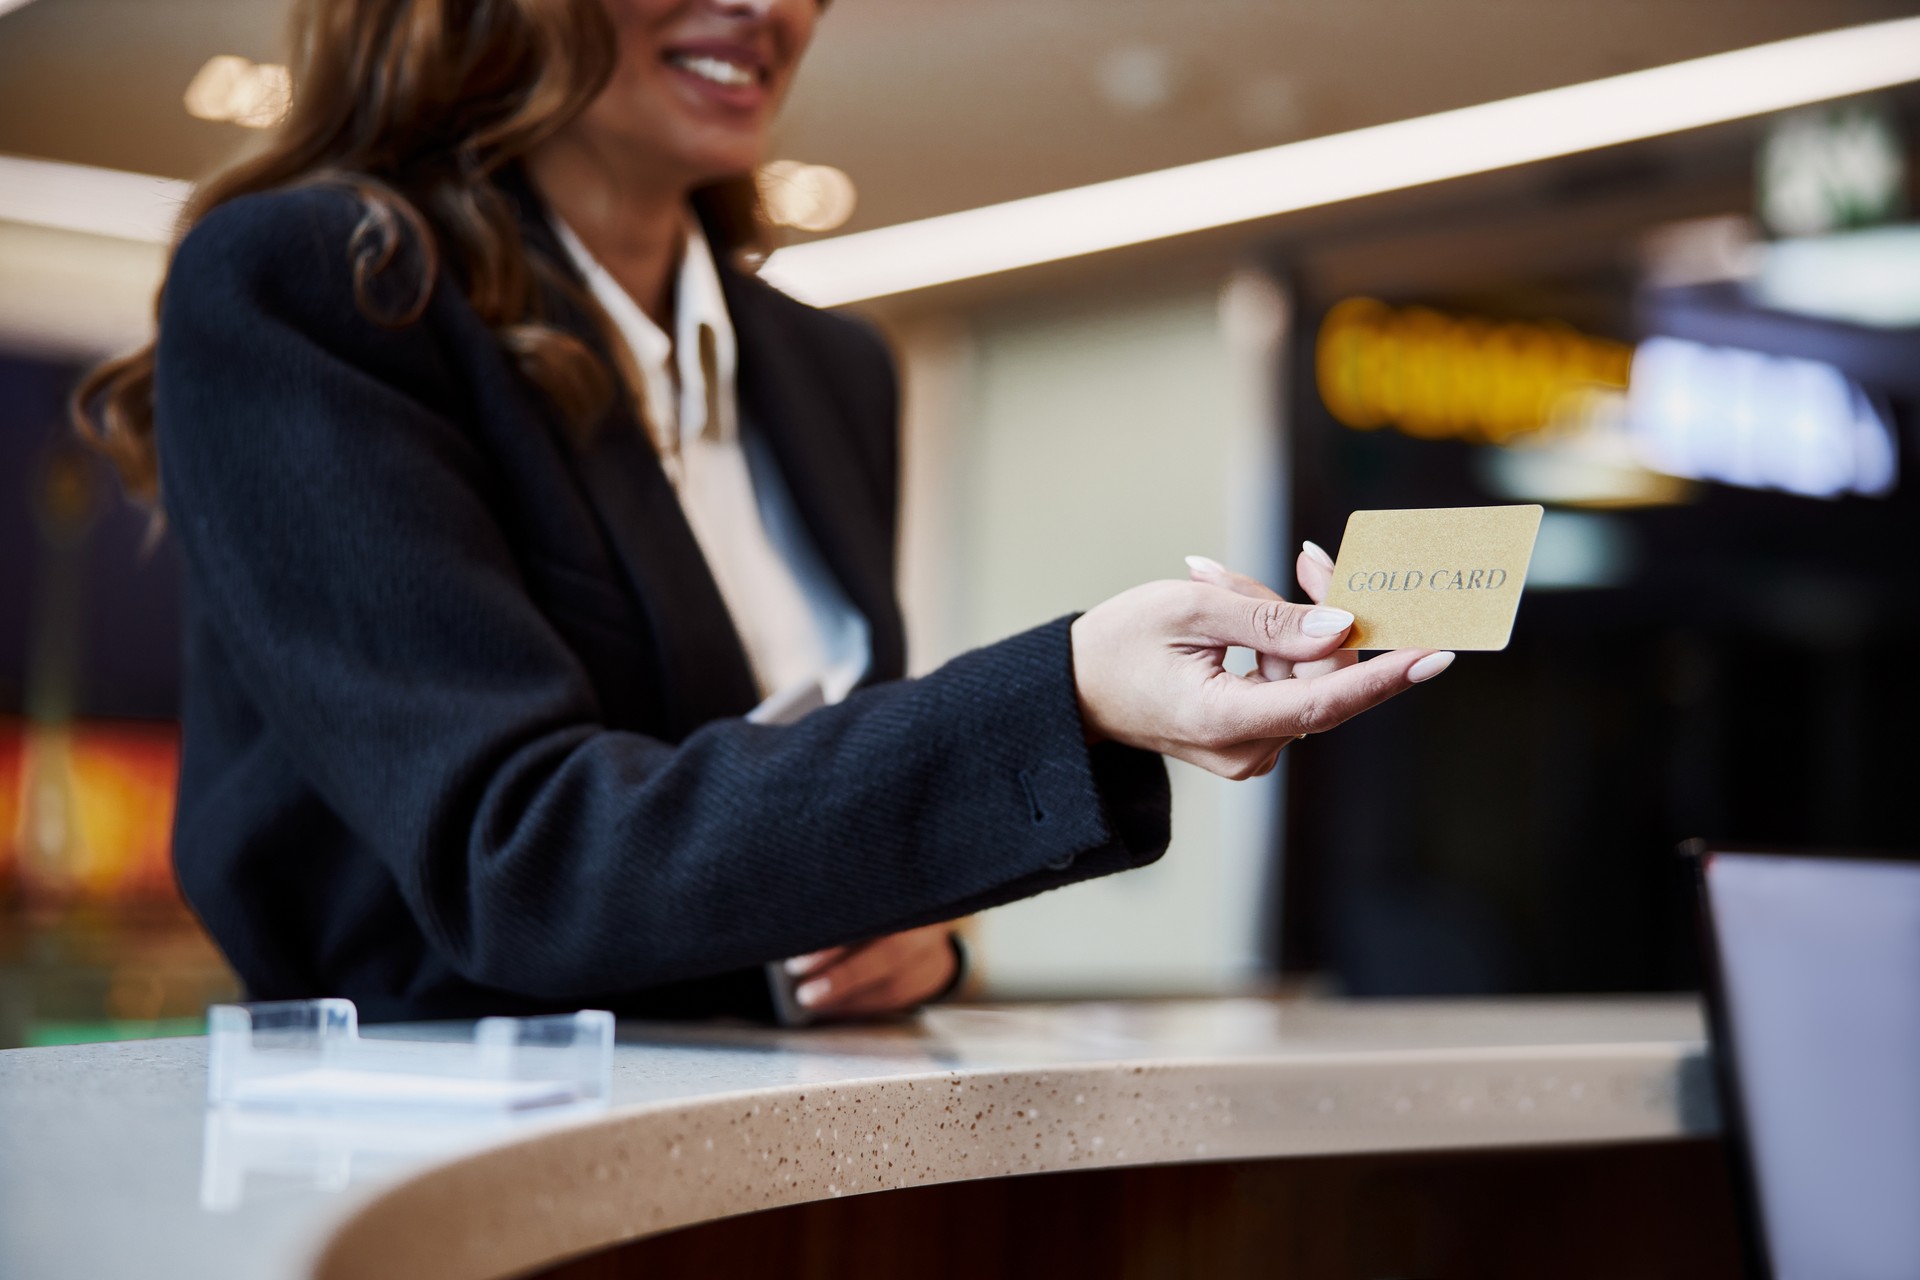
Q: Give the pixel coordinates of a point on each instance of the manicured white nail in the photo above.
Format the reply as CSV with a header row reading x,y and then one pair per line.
x,y
1201,564
1320,623
812,993
800,964
1430,666
1314,549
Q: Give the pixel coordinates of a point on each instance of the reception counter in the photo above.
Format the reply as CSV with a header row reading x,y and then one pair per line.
x,y
111,1165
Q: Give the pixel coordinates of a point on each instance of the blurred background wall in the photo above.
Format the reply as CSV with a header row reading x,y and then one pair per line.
x,y
1712,643
1060,451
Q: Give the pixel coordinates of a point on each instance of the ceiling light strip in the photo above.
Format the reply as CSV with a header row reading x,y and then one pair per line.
x,y
101,202
1319,171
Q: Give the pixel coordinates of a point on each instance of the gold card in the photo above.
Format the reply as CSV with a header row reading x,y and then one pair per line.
x,y
1445,578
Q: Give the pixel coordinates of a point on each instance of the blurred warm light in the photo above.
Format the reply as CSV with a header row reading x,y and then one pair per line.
x,y
86,811
806,197
234,90
101,202
1439,376
1343,166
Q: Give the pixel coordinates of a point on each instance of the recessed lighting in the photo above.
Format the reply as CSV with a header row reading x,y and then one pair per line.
x,y
1138,79
806,197
233,90
1345,166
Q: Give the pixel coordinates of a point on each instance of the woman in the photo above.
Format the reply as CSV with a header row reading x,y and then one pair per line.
x,y
506,499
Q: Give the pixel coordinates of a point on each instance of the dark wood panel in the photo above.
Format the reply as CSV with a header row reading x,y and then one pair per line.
x,y
1646,1211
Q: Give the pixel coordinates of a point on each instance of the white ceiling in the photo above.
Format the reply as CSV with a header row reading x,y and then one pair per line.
x,y
934,105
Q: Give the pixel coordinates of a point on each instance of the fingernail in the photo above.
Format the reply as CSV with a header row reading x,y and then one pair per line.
x,y
800,964
1314,549
812,993
1201,564
1430,666
1320,623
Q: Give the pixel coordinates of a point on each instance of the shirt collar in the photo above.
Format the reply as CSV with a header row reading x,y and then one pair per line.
x,y
702,349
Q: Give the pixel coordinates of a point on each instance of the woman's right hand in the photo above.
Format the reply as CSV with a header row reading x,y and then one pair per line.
x,y
1150,670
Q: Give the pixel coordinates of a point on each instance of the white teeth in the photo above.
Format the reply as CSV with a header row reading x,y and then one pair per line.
x,y
730,74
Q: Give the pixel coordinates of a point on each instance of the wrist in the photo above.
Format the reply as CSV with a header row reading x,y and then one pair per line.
x,y
1090,731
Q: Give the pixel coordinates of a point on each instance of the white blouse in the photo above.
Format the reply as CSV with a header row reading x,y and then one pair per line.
x,y
794,619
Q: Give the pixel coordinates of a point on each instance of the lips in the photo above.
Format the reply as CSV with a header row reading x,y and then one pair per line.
x,y
730,75
717,70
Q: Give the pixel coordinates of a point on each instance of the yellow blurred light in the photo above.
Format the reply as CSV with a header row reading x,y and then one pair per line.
x,y
806,197
1437,376
233,90
1345,166
87,810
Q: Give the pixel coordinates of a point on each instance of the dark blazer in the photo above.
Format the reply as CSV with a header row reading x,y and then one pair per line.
x,y
463,708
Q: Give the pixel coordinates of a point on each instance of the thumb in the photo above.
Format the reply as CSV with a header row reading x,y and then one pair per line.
x,y
1204,569
1299,633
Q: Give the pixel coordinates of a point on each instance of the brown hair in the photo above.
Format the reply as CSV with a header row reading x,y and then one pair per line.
x,y
417,106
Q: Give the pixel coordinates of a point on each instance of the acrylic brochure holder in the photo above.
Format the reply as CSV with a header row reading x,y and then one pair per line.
x,y
297,1097
307,1056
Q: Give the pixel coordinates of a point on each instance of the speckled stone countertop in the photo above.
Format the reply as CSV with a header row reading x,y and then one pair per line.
x,y
110,1165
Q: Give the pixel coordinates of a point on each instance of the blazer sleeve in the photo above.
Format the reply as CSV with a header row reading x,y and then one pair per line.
x,y
340,535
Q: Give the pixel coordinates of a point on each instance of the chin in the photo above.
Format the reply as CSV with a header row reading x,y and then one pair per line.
x,y
717,164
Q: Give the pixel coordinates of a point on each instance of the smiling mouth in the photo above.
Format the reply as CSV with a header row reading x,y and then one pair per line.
x,y
729,75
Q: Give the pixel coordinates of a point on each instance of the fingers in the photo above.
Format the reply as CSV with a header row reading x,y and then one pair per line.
x,y
1314,568
1267,624
888,975
1332,662
816,960
1202,569
1319,703
1237,763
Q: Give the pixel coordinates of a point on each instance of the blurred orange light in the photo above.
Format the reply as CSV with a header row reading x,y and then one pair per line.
x,y
1438,376
88,811
234,90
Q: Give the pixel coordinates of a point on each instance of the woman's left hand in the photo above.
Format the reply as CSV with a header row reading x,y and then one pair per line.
x,y
1314,568
893,974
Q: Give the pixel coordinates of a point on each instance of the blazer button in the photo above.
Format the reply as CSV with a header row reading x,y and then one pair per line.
x,y
1061,863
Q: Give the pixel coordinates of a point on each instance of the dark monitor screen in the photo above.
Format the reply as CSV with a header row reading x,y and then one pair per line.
x,y
1818,1026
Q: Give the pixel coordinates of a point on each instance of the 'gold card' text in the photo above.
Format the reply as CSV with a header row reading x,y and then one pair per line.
x,y
1445,578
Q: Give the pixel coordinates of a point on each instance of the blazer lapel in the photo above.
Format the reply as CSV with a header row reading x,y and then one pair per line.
x,y
708,675
706,671
785,397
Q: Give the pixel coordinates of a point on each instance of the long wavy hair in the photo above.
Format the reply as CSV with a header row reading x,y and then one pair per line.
x,y
418,106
